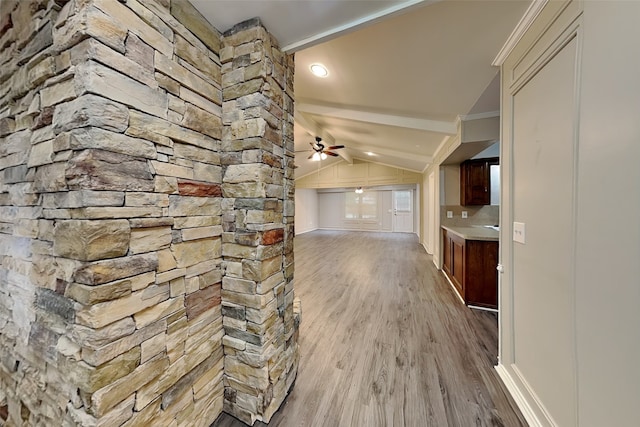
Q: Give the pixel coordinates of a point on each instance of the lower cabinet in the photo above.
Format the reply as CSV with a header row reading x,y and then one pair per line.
x,y
471,267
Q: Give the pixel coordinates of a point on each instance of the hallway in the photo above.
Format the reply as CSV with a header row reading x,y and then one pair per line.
x,y
385,342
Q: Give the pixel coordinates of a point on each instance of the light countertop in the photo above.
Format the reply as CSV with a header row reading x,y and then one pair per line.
x,y
475,232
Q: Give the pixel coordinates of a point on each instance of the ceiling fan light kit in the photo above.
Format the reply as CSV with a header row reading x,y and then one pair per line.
x,y
359,190
320,152
316,157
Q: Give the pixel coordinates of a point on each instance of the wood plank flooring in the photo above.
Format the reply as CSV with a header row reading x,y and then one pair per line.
x,y
385,342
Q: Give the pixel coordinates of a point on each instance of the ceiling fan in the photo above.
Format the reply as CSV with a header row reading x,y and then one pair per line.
x,y
319,151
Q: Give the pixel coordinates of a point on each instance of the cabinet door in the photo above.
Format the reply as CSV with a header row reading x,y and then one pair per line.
x,y
446,252
474,180
457,264
481,288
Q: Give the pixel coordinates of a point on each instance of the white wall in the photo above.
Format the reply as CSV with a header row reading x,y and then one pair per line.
x,y
306,216
429,208
569,317
542,267
608,217
423,223
450,182
438,200
416,199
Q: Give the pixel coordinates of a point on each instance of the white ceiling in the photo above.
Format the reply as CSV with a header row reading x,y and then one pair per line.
x,y
401,72
300,23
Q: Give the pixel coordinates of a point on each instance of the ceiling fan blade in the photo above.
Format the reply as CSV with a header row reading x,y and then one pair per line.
x,y
329,153
335,147
310,156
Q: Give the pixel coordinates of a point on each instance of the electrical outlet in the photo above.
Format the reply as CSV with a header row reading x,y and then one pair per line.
x,y
519,232
449,214
464,214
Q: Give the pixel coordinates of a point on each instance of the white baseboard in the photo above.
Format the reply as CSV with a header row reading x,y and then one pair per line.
x,y
426,248
355,229
532,410
476,307
306,231
351,229
455,290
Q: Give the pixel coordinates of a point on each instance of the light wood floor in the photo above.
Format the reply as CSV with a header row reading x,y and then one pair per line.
x,y
384,341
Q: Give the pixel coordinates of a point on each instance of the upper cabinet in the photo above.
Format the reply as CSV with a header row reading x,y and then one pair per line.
x,y
476,182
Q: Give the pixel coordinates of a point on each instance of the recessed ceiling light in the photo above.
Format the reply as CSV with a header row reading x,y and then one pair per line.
x,y
369,153
319,70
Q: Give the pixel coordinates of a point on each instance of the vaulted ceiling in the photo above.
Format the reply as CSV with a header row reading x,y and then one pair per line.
x,y
400,72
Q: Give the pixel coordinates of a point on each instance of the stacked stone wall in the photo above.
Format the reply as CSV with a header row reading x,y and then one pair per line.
x,y
260,345
146,216
110,214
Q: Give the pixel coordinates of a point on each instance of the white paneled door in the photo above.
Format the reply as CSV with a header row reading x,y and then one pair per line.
x,y
403,211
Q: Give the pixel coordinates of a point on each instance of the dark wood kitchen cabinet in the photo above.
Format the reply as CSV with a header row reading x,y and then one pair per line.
x,y
471,265
446,252
481,260
475,181
453,259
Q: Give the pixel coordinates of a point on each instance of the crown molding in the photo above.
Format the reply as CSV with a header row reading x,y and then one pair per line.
x,y
441,147
354,25
525,22
478,116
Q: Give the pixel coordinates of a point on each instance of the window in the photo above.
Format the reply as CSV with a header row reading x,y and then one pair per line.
x,y
352,206
361,206
403,201
368,205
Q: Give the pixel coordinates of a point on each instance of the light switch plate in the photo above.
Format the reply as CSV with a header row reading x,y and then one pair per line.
x,y
449,214
464,214
519,232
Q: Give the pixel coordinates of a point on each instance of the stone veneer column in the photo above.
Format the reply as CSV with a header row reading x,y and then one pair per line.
x,y
260,345
111,215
